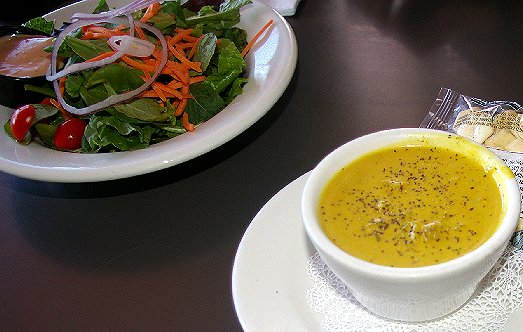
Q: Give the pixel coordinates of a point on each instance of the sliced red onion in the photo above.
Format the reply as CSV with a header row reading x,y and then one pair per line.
x,y
114,99
131,24
125,10
131,45
121,44
76,67
58,42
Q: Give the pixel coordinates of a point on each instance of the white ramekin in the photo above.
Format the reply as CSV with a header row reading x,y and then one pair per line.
x,y
420,293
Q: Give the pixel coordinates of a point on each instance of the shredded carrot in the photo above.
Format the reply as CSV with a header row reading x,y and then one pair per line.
x,y
179,71
197,79
87,35
148,94
56,104
101,56
97,35
168,89
159,92
147,76
99,29
174,84
186,91
181,34
186,124
98,32
154,94
61,85
181,107
255,38
185,46
190,38
139,32
136,64
183,59
150,61
157,54
120,27
167,71
151,10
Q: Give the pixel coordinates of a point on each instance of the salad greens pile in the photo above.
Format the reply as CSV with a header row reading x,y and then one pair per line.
x,y
141,121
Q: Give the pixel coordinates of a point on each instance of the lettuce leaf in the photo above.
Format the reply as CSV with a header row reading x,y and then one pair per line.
x,y
211,20
109,133
228,67
113,131
40,24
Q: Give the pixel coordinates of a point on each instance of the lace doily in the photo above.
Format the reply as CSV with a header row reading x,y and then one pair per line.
x,y
498,296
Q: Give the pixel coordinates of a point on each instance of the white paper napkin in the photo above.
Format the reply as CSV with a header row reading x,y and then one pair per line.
x,y
284,7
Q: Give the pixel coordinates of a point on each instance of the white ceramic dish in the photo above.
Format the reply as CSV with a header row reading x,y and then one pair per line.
x,y
271,64
269,277
421,293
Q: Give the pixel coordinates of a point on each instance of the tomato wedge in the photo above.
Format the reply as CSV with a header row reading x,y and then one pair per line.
x,y
21,121
68,135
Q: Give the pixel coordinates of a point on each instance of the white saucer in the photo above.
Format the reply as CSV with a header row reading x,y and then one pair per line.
x,y
269,278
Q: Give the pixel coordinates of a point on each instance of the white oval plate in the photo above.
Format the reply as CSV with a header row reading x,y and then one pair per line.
x,y
270,66
269,276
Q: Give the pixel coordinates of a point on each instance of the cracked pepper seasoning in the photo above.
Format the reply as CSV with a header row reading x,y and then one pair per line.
x,y
410,206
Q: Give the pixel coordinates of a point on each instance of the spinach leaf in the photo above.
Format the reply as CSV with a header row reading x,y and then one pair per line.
x,y
224,78
101,7
144,109
74,84
120,77
235,90
162,20
205,50
227,16
45,89
175,8
87,49
237,36
46,132
94,94
206,103
44,111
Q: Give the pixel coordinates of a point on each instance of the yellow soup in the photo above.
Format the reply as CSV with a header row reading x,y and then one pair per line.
x,y
411,206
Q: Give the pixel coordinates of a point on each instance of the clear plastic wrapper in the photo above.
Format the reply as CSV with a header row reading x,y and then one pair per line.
x,y
497,125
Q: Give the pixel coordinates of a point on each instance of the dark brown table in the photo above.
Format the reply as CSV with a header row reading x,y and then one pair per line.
x,y
155,252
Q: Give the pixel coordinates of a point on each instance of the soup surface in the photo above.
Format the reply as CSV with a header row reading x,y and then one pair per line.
x,y
24,56
411,206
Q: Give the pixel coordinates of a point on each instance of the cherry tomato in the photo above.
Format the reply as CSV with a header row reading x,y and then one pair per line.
x,y
21,121
68,135
46,101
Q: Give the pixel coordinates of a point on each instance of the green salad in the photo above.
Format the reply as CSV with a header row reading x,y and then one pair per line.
x,y
126,78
